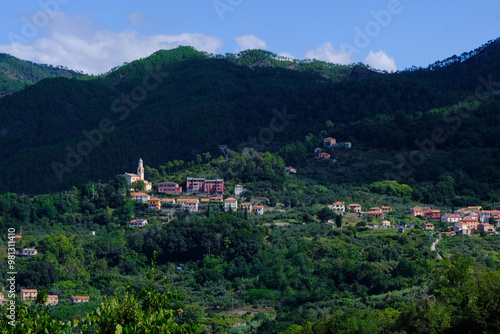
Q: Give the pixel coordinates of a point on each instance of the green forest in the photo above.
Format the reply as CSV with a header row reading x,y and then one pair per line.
x,y
286,271
418,124
420,137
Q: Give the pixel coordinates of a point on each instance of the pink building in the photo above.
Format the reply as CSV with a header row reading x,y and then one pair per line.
x,y
169,188
451,218
204,186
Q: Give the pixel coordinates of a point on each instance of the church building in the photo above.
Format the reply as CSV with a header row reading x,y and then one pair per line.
x,y
131,178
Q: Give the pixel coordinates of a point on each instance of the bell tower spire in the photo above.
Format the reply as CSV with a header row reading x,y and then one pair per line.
x,y
140,170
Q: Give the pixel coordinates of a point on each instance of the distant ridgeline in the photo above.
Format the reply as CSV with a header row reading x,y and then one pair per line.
x,y
178,103
16,74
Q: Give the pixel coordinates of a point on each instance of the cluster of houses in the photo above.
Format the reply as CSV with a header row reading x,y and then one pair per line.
x,y
374,213
194,204
31,294
466,220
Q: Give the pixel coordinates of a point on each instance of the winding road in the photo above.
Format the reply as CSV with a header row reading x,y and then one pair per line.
x,y
434,249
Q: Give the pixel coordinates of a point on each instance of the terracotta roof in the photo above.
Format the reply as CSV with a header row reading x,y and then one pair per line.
x,y
354,204
138,194
153,199
238,185
230,199
338,203
258,206
187,200
386,207
80,297
328,138
28,290
374,213
417,208
376,208
205,200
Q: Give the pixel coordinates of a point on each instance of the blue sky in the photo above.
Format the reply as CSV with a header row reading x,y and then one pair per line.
x,y
94,36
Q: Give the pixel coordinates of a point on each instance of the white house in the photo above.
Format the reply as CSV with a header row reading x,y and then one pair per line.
x,y
238,189
230,203
338,207
451,218
138,223
29,251
258,209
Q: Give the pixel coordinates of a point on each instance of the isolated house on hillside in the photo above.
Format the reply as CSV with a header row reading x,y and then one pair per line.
x,y
230,204
238,189
52,300
29,251
258,209
354,207
338,207
138,223
80,299
329,142
27,294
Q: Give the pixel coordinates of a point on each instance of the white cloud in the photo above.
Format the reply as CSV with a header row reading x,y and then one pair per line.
x,y
327,53
82,44
381,61
250,42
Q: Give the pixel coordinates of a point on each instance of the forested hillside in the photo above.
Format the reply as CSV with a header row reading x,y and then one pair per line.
x,y
16,74
179,103
286,271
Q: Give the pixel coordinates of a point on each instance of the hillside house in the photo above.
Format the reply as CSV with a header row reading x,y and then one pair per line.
x,y
3,301
140,197
154,203
17,238
329,142
29,251
386,209
52,300
486,227
451,218
138,223
338,207
433,214
375,208
354,207
470,222
238,189
385,223
169,188
322,156
417,211
450,233
131,178
189,203
246,206
375,214
462,229
429,226
29,294
485,215
80,299
290,170
230,204
258,209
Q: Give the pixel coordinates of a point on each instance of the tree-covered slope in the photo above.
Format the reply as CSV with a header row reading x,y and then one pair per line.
x,y
16,74
179,103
